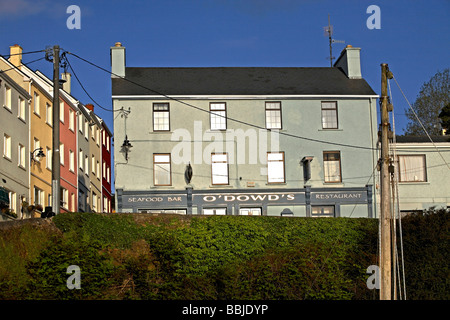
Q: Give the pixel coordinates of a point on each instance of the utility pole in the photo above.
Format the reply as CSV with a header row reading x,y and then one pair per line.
x,y
385,216
55,150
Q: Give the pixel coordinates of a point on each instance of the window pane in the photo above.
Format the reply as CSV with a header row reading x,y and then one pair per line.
x,y
412,168
218,120
273,115
275,167
219,168
329,115
161,169
217,106
332,168
162,158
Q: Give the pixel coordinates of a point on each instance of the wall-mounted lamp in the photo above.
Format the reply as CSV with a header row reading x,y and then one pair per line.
x,y
307,167
188,173
126,146
39,155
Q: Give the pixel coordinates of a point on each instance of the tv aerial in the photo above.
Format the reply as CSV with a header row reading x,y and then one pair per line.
x,y
328,31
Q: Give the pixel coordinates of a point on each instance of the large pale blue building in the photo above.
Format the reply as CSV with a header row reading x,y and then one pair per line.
x,y
245,141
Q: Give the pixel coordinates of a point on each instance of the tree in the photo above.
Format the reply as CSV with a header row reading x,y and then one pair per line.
x,y
445,117
433,96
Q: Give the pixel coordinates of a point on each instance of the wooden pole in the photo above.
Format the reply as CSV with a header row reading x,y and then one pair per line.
x,y
385,216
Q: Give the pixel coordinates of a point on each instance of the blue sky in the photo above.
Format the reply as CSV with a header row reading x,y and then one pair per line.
x,y
414,37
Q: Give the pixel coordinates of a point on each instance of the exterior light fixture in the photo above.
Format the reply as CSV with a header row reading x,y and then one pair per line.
x,y
126,146
39,155
188,173
287,212
307,167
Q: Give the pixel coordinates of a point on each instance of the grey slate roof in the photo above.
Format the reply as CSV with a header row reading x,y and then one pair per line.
x,y
239,81
421,139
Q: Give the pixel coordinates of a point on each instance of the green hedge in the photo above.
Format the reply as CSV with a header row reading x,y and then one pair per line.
x,y
221,257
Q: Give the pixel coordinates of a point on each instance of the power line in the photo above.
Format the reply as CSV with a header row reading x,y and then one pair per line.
x,y
22,64
228,118
22,53
417,117
82,86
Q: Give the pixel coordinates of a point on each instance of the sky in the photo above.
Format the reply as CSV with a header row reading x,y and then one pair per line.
x,y
413,38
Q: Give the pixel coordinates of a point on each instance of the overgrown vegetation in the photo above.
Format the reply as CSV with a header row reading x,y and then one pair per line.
x,y
216,257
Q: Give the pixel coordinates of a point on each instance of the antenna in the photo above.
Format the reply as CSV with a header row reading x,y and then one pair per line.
x,y
328,31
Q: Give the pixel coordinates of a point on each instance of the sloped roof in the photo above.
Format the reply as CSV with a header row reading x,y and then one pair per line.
x,y
239,81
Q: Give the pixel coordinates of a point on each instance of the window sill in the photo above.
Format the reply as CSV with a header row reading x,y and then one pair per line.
x,y
220,186
333,184
414,183
274,184
8,108
7,158
22,119
330,129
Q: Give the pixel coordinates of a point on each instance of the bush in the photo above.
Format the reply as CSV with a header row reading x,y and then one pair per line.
x,y
217,257
426,242
48,272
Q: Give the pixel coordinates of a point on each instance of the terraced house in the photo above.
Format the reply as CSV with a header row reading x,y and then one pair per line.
x,y
26,121
245,141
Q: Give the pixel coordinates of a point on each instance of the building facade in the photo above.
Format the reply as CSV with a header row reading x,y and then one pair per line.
x,y
27,125
245,141
106,168
84,181
14,132
423,173
95,160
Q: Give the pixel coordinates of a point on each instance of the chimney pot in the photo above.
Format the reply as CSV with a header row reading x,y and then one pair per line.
x,y
118,61
90,106
16,55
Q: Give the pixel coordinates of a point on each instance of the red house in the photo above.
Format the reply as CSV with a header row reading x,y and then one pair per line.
x,y
68,153
106,167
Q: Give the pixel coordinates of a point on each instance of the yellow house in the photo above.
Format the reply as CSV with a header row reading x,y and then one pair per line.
x,y
40,133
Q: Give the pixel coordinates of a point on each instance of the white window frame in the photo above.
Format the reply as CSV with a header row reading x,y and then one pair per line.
x,y
332,168
21,112
49,161
161,117
408,172
329,113
49,114
218,116
162,167
21,152
8,98
36,106
7,146
219,169
273,115
71,120
274,161
71,161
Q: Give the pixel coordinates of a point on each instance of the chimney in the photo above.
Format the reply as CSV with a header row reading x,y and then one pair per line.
x,y
16,55
66,85
117,60
90,106
349,61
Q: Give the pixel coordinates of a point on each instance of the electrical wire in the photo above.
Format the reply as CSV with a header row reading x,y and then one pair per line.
x,y
232,119
22,64
228,118
82,86
22,53
421,124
